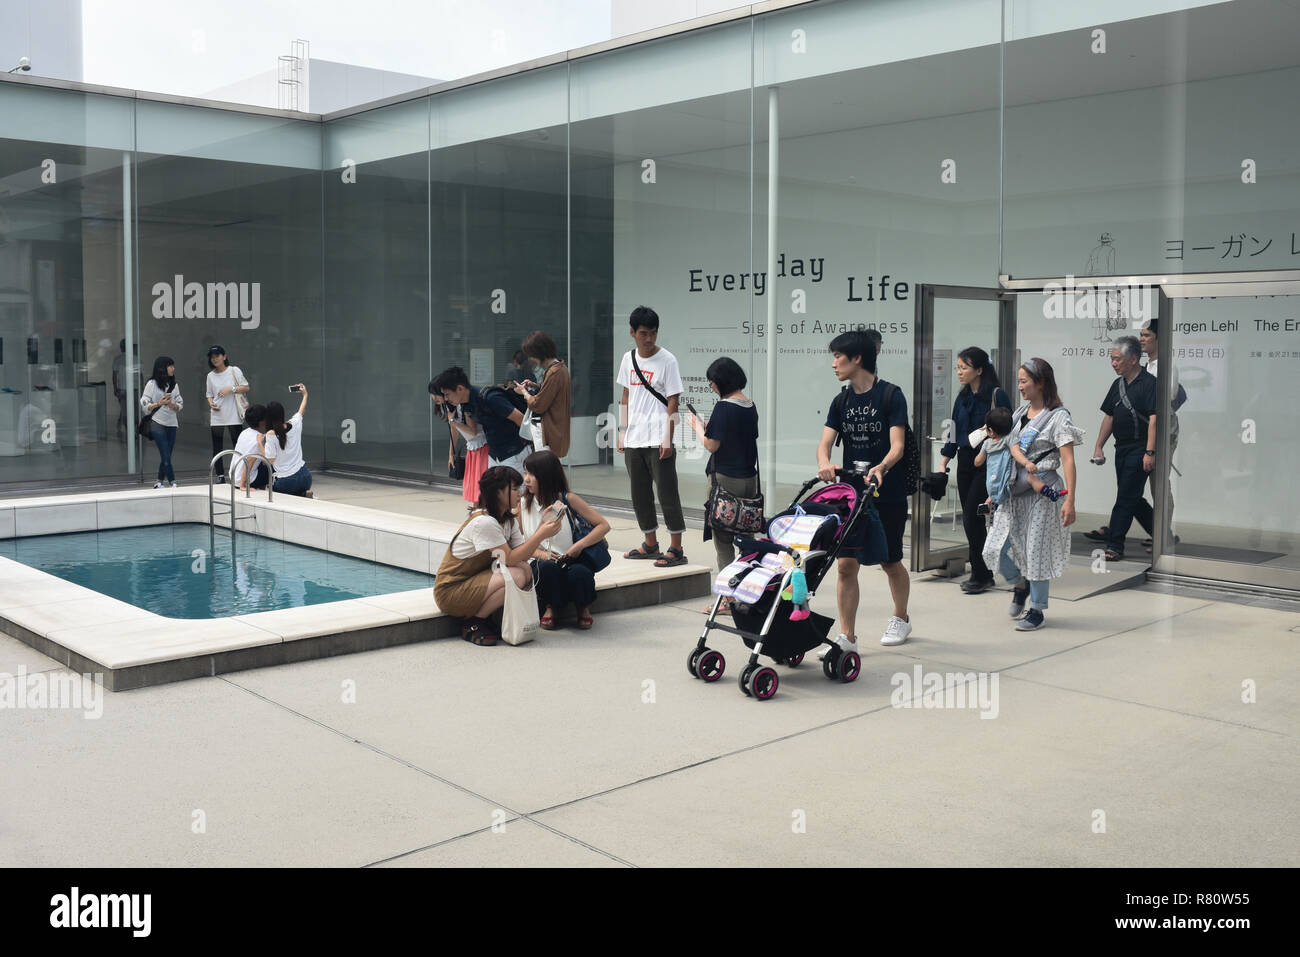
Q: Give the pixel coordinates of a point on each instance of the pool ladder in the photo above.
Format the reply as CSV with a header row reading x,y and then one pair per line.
x,y
212,505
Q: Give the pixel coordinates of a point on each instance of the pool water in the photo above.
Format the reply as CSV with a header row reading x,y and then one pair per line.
x,y
178,571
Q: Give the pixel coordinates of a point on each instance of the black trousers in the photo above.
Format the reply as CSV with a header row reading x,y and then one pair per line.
x,y
1130,480
972,491
217,436
557,586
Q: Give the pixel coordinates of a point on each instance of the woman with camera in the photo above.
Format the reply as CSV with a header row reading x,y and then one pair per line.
x,y
476,449
564,573
282,445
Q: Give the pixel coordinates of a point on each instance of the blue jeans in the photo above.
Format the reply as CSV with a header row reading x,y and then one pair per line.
x,y
164,436
295,484
1037,590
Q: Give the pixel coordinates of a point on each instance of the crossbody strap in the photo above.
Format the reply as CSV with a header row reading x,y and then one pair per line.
x,y
1123,397
641,375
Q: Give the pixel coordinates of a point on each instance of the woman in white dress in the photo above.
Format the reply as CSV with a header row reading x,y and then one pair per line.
x,y
1030,538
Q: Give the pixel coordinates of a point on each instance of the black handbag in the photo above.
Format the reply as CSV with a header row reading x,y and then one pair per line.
x,y
144,428
596,557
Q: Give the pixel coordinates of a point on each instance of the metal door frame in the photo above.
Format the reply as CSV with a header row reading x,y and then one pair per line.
x,y
923,405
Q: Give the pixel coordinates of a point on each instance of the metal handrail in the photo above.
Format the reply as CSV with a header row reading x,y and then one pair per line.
x,y
230,481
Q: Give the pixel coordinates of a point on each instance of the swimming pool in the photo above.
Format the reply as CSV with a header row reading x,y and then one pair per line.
x,y
182,571
57,603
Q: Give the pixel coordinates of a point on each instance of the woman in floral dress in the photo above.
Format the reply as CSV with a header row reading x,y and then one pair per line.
x,y
1030,538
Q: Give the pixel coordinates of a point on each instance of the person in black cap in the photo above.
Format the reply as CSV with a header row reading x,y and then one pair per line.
x,y
226,393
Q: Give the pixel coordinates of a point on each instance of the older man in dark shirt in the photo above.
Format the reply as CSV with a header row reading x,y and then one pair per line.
x,y
1130,415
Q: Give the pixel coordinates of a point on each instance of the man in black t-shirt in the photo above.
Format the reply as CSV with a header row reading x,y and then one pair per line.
x,y
871,433
1130,414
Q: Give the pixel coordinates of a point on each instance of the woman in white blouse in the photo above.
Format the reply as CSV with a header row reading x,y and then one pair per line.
x,y
162,399
226,387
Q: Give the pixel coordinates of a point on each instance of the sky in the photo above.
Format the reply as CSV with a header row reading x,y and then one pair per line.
x,y
189,48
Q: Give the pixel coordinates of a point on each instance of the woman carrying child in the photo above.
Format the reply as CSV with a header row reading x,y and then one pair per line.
x,y
1030,538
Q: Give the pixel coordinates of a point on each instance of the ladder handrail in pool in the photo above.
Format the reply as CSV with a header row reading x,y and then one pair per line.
x,y
212,466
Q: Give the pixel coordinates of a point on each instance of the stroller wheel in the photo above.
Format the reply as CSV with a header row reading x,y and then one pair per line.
x,y
849,666
793,662
830,664
694,660
711,665
743,680
763,683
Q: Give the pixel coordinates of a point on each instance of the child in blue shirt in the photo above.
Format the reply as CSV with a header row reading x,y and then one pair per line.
x,y
996,452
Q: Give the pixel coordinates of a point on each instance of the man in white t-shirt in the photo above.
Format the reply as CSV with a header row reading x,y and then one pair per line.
x,y
246,445
647,416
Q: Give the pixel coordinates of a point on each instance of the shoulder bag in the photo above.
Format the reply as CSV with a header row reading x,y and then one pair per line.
x,y
727,512
595,557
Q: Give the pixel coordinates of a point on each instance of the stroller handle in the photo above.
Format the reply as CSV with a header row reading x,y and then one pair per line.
x,y
872,487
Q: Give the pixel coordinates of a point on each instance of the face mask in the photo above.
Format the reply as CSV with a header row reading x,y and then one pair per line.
x,y
976,438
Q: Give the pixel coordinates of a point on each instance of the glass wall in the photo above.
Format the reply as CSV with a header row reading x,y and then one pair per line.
x,y
929,141
661,144
376,304
229,239
64,171
888,177
499,226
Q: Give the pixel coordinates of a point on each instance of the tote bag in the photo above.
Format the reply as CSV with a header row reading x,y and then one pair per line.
x,y
520,620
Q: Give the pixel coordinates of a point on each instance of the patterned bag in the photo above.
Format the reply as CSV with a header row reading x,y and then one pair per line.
x,y
727,512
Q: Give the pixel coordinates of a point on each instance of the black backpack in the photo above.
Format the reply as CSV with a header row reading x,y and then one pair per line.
x,y
911,461
510,395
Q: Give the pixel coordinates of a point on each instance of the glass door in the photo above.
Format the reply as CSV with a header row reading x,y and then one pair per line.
x,y
1227,466
948,320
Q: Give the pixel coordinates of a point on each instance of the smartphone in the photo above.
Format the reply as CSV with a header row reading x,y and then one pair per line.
x,y
983,509
294,388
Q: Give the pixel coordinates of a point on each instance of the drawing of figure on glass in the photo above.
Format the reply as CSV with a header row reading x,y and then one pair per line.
x,y
1110,314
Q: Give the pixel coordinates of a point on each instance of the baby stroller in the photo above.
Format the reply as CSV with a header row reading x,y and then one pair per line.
x,y
771,583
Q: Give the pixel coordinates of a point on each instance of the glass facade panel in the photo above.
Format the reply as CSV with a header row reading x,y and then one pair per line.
x,y
888,177
1154,145
64,170
661,172
498,218
230,255
376,305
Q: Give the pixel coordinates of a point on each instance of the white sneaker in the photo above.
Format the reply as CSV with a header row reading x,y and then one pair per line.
x,y
896,632
844,644
176,484
161,485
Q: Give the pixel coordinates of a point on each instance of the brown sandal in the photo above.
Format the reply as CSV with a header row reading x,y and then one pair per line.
x,y
477,631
